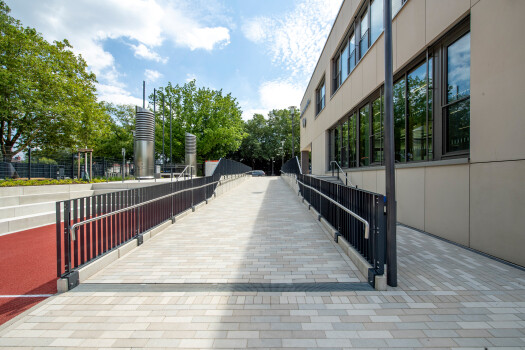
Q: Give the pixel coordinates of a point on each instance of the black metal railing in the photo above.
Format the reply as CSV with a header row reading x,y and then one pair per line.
x,y
89,227
230,167
347,209
292,167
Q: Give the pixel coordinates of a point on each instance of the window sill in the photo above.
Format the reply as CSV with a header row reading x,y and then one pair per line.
x,y
456,161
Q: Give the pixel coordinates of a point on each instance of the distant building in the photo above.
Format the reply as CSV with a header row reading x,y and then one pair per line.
x,y
459,110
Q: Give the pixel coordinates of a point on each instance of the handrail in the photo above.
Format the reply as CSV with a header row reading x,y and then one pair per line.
x,y
367,225
182,173
339,168
299,165
75,226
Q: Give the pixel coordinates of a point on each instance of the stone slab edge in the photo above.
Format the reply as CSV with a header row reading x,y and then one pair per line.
x,y
95,266
360,262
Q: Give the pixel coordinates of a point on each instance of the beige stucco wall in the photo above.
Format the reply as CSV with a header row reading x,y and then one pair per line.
x,y
497,209
479,203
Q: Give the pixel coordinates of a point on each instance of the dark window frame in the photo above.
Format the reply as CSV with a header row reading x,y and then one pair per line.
x,y
318,98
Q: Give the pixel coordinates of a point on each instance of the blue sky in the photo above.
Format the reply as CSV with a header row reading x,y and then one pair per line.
x,y
263,52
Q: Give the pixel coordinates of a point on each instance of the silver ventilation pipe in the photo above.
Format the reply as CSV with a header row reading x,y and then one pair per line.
x,y
144,144
191,151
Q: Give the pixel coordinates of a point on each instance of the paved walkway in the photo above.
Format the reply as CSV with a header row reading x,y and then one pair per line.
x,y
447,297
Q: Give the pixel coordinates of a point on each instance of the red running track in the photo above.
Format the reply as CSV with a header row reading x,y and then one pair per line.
x,y
27,266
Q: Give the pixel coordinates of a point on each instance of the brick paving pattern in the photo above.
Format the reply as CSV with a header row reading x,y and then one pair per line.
x,y
448,297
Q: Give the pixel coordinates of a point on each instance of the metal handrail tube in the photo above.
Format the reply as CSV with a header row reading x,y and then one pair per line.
x,y
78,224
187,166
338,166
367,225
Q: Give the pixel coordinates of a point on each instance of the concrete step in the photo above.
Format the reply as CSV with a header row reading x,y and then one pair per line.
x,y
11,201
31,190
27,209
21,223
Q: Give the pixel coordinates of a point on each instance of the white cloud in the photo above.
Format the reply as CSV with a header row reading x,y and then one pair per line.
x,y
278,94
152,75
87,24
142,51
296,39
117,95
190,77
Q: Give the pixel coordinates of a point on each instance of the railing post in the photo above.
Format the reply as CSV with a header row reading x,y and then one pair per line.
x,y
67,235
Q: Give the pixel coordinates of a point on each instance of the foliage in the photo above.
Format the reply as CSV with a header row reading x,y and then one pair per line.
x,y
44,182
47,95
213,117
118,134
264,139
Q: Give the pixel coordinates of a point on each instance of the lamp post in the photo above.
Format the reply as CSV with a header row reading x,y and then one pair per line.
x,y
282,153
292,111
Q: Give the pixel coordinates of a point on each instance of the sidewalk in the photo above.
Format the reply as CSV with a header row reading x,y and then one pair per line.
x,y
162,295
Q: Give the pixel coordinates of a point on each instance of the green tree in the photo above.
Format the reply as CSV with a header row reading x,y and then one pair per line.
x,y
213,117
47,95
119,133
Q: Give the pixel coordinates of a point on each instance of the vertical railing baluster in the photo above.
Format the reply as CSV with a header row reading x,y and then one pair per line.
x,y
88,230
67,238
75,243
82,233
59,238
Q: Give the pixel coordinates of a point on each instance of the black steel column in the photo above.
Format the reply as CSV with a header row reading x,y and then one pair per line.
x,y
391,246
163,154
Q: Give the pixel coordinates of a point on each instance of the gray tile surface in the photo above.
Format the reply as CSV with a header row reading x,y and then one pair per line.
x,y
259,232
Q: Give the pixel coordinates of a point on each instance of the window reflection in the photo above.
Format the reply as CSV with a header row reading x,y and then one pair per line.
x,y
376,19
399,120
457,110
352,140
364,136
377,131
344,148
364,34
344,63
417,113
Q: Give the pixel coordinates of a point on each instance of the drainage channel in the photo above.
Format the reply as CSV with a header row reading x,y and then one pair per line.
x,y
223,287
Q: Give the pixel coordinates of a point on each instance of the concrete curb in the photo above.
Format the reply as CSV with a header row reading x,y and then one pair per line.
x,y
360,262
97,265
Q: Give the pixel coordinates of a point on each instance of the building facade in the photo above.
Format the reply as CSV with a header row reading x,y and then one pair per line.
x,y
459,115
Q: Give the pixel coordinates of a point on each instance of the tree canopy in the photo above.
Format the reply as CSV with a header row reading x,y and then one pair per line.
x,y
265,137
213,117
47,94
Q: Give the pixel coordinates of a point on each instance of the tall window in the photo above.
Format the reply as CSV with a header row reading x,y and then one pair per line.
x,y
399,120
376,19
365,33
337,73
320,97
352,141
377,130
344,63
344,148
337,144
364,135
352,58
457,107
417,114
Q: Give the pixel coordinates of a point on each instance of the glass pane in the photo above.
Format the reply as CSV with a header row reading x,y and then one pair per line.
x,y
352,61
322,94
458,70
344,63
337,68
364,136
458,126
344,148
376,13
377,131
399,120
364,22
363,45
337,144
352,139
430,153
396,6
417,113
331,144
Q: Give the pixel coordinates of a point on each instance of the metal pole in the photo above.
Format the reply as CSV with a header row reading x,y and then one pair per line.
x,y
155,117
144,94
391,253
29,163
163,154
171,141
293,133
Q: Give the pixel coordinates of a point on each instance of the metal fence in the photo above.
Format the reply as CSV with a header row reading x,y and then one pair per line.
x,y
89,227
347,209
292,166
230,167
